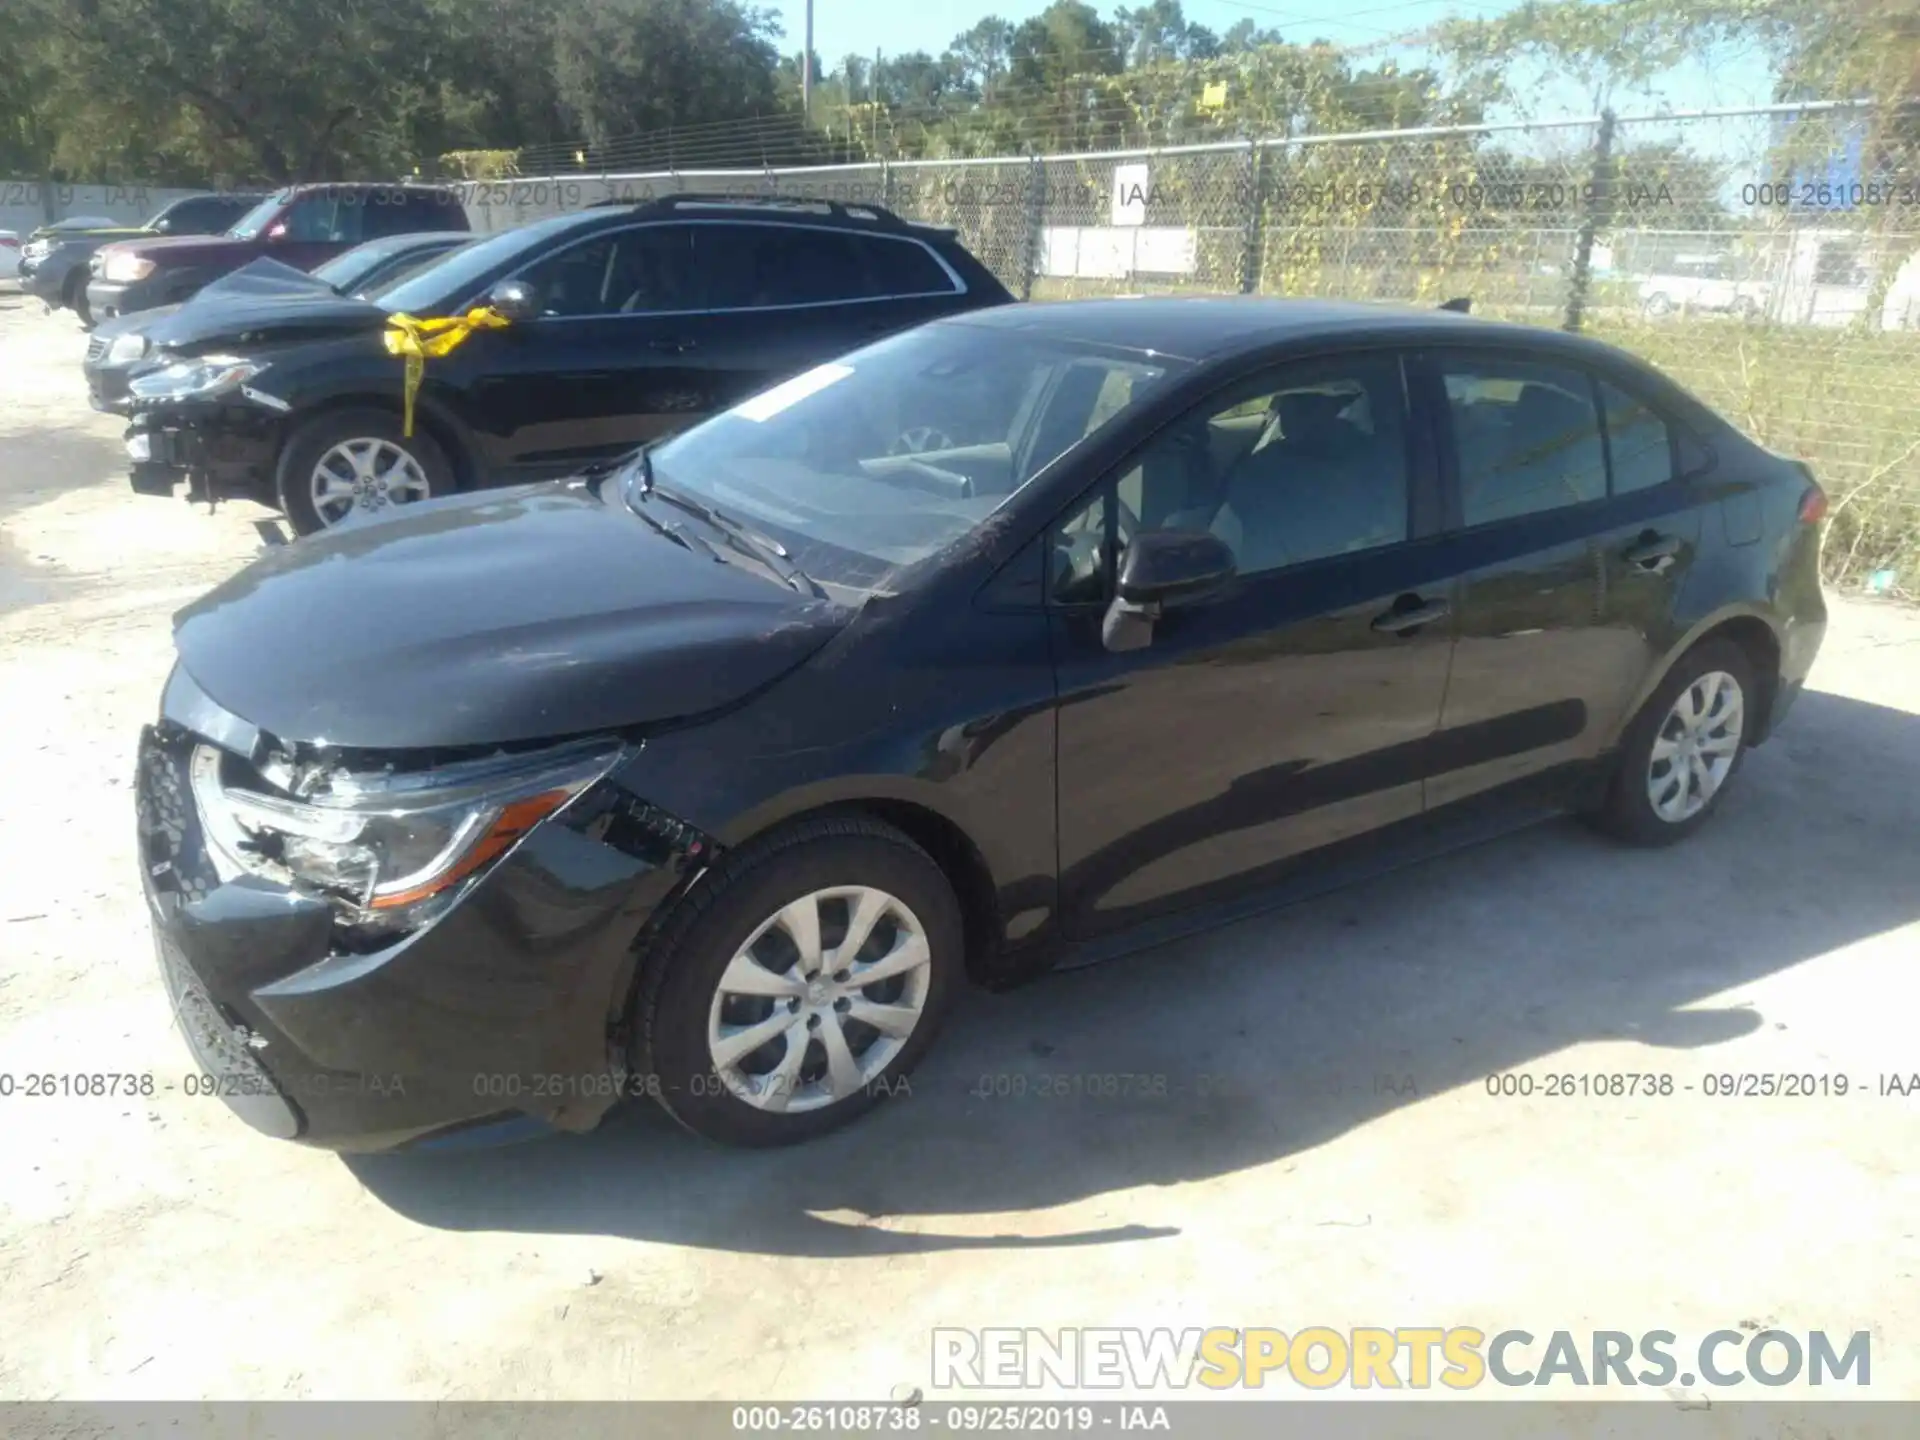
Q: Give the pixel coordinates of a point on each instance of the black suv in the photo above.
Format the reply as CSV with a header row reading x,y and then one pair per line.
x,y
625,324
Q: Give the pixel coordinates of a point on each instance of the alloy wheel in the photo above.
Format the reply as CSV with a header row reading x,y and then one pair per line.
x,y
820,999
360,479
1695,747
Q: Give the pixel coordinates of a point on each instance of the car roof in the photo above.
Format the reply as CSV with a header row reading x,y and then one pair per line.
x,y
419,240
426,186
1212,328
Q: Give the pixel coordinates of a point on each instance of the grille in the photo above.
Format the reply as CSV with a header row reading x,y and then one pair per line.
x,y
96,350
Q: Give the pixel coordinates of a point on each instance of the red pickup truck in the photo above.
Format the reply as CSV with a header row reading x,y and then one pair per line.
x,y
301,226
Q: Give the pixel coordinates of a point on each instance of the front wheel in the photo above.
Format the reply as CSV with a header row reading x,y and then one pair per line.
x,y
77,299
350,466
1680,753
800,983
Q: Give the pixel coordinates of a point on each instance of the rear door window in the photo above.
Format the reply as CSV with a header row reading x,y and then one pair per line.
x,y
903,267
1639,442
427,210
752,267
1526,437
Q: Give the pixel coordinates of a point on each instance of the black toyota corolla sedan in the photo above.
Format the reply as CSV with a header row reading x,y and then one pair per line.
x,y
714,776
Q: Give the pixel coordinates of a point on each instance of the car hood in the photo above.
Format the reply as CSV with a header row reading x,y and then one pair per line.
x,y
174,250
263,301
101,237
501,616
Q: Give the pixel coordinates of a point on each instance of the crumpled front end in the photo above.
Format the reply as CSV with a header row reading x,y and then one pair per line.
x,y
359,1009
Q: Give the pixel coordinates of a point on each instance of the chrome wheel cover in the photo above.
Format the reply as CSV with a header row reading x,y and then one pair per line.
x,y
820,1000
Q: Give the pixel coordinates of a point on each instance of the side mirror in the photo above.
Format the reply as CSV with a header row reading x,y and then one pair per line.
x,y
163,227
516,300
1163,569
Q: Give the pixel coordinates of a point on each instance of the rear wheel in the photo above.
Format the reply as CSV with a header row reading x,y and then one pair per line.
x,y
350,466
1680,753
800,983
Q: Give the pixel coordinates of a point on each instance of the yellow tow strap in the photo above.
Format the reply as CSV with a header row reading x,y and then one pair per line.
x,y
417,340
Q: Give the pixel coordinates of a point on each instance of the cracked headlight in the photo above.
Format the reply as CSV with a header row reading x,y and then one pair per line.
x,y
389,851
195,379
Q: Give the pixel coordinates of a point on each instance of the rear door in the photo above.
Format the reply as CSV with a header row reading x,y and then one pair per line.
x,y
1567,563
781,297
605,368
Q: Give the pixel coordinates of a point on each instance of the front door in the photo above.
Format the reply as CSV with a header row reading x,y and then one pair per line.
x,y
1294,711
610,364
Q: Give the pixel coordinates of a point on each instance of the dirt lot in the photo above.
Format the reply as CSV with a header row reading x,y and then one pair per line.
x,y
1328,1152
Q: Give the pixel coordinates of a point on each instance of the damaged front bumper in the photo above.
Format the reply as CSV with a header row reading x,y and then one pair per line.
x,y
506,1011
216,449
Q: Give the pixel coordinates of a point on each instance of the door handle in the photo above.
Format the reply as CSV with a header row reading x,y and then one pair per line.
x,y
672,346
1653,553
1409,614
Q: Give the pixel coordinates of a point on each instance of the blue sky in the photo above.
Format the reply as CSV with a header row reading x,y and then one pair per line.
x,y
841,27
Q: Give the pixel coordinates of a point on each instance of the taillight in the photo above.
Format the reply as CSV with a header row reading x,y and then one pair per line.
x,y
1813,504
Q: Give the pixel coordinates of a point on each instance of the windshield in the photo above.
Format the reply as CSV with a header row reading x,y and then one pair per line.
x,y
385,259
375,286
879,459
442,285
255,220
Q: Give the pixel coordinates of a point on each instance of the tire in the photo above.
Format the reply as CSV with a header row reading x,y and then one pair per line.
x,y
315,440
1658,304
77,299
679,1009
1628,812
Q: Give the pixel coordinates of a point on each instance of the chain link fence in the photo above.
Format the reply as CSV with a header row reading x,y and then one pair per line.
x,y
1767,258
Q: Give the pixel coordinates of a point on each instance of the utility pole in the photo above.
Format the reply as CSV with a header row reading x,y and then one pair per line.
x,y
806,68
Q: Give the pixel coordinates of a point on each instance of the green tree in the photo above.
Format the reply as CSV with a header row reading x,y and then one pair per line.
x,y
627,66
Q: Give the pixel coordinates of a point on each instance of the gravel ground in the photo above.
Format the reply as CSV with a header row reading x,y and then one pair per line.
x,y
1328,1152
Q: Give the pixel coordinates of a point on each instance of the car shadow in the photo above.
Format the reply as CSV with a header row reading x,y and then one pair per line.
x,y
1255,1042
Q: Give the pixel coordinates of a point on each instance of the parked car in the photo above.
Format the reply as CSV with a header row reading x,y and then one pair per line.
x,y
61,259
9,254
717,775
300,226
1703,282
627,322
265,295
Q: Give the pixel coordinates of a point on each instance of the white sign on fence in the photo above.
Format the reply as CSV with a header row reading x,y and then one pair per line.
x,y
1129,194
1107,252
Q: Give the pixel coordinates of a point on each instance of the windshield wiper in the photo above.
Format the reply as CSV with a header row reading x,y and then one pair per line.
x,y
739,536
